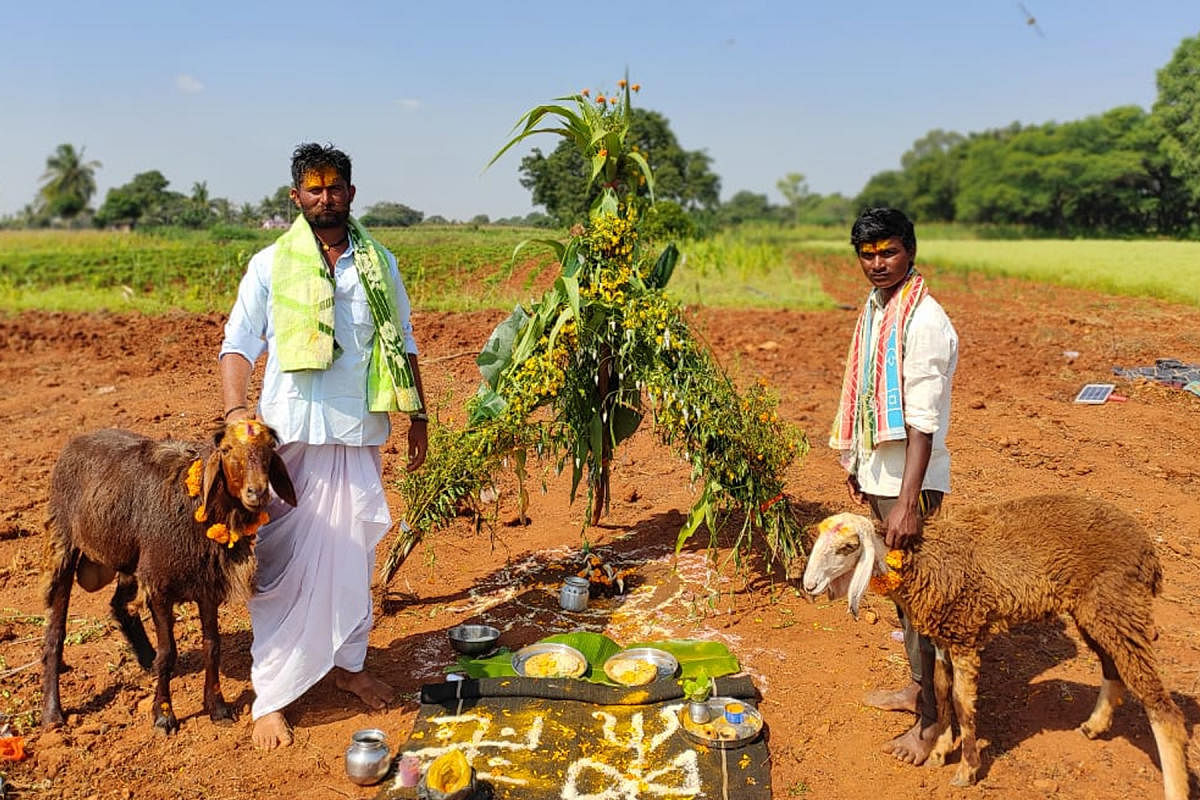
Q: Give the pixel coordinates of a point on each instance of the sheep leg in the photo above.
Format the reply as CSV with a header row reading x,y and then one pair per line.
x,y
966,687
1111,692
164,664
131,624
58,598
214,703
941,688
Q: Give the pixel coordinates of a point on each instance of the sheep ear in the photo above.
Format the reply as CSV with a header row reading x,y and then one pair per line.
x,y
281,482
864,569
214,478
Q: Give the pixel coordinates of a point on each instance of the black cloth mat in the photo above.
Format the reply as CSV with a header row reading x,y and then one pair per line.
x,y
537,739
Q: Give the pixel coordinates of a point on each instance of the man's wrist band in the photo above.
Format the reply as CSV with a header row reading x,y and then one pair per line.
x,y
229,411
418,416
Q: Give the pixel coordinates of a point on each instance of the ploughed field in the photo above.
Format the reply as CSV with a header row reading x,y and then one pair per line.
x,y
1015,431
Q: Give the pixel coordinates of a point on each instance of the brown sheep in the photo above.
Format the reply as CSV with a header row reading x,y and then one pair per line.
x,y
977,571
125,506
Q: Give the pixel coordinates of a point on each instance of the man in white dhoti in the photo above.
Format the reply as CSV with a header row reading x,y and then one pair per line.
x,y
327,305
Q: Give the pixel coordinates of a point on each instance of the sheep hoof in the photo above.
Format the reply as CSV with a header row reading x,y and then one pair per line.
x,y
166,723
52,719
963,777
1088,731
936,759
223,715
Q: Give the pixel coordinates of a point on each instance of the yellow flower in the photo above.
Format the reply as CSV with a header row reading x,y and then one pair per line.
x,y
895,559
201,514
603,153
219,533
194,474
621,83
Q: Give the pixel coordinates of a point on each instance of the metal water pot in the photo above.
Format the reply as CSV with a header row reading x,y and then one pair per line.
x,y
574,594
367,758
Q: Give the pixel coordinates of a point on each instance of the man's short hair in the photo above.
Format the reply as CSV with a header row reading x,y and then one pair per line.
x,y
874,224
310,156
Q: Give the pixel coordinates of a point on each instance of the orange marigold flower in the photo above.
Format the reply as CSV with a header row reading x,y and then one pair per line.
x,y
219,533
585,92
882,584
262,519
637,87
600,99
603,153
201,514
621,83
12,748
895,559
194,474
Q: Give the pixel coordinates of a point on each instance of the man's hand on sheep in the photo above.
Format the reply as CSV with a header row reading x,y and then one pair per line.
x,y
902,526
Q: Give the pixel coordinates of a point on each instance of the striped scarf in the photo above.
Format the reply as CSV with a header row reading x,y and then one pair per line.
x,y
871,408
302,310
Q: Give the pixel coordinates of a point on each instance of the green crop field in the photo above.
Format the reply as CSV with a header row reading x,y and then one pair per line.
x,y
464,268
1169,270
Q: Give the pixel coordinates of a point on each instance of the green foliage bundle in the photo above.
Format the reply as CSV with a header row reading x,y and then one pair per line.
x,y
572,377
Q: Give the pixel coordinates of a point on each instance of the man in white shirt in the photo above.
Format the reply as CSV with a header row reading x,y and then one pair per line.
x,y
327,305
891,427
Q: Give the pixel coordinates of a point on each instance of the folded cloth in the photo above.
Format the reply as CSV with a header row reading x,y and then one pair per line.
x,y
1169,371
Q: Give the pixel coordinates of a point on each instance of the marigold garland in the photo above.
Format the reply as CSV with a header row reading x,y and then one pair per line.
x,y
891,580
194,475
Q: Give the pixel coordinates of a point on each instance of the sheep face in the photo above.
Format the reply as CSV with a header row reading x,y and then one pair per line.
x,y
845,555
244,459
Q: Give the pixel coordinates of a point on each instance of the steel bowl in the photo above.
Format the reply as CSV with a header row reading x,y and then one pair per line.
x,y
472,640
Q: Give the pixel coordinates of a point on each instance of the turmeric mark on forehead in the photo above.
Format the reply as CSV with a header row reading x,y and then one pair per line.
x,y
871,248
319,178
249,431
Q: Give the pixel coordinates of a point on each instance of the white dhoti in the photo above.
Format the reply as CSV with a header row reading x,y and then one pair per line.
x,y
312,611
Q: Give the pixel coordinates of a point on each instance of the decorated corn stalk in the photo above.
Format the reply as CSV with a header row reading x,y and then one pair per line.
x,y
601,349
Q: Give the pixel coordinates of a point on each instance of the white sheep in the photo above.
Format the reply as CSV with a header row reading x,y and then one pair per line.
x,y
977,571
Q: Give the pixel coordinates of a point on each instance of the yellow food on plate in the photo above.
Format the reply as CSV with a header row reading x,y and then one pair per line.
x,y
631,671
552,664
449,772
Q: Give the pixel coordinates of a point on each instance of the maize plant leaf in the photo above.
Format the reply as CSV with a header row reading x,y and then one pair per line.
x,y
638,159
497,353
625,422
598,162
695,517
553,244
490,405
569,286
664,267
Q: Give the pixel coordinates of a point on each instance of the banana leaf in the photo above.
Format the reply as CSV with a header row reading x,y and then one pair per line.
x,y
695,657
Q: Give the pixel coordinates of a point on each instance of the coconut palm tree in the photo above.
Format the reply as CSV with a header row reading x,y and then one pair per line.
x,y
68,182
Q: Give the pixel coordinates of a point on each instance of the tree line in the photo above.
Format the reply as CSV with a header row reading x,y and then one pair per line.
x,y
1124,172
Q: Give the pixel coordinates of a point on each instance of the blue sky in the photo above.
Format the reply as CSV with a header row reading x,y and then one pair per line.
x,y
421,93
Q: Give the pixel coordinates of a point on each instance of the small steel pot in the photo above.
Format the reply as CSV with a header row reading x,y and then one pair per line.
x,y
367,758
574,594
699,711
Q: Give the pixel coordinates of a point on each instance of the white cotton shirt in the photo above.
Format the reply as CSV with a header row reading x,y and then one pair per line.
x,y
316,406
929,360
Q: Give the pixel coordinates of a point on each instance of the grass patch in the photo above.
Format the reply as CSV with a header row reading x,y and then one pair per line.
x,y
748,269
1168,270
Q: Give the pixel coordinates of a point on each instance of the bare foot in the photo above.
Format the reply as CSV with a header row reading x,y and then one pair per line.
x,y
271,731
914,745
906,699
372,691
